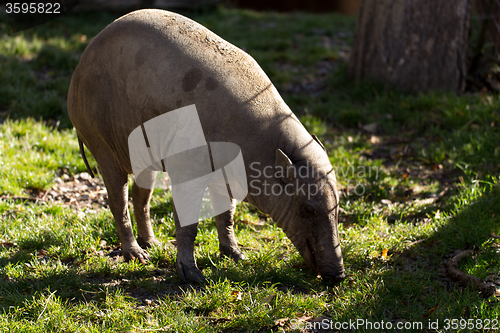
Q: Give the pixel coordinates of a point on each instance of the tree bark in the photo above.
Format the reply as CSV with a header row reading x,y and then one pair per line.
x,y
418,45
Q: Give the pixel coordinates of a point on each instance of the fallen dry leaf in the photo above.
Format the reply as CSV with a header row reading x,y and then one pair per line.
x,y
384,253
303,317
7,245
431,311
351,282
237,295
281,321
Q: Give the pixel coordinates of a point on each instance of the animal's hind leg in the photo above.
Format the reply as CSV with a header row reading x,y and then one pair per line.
x,y
140,199
227,241
115,180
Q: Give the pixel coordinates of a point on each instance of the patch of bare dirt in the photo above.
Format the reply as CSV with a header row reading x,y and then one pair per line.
x,y
79,191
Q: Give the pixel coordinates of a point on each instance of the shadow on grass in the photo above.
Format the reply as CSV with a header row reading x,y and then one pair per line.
x,y
413,286
92,278
76,285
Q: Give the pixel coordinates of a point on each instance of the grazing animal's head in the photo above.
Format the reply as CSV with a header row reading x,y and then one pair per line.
x,y
307,210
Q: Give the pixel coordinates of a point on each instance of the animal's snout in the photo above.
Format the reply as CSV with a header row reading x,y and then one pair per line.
x,y
334,278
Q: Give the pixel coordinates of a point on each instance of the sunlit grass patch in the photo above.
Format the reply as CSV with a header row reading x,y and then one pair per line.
x,y
31,153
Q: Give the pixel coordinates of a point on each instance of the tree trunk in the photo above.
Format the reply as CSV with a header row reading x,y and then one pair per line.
x,y
417,45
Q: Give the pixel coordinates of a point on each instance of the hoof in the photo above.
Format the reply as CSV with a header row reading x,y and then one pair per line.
x,y
239,256
136,253
190,273
146,244
235,254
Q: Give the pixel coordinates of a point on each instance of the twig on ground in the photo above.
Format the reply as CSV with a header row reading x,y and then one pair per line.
x,y
166,328
486,289
46,303
6,197
415,242
495,236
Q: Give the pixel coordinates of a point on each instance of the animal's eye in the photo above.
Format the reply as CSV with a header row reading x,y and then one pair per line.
x,y
308,210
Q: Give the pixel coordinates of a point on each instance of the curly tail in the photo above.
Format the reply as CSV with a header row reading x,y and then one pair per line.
x,y
82,152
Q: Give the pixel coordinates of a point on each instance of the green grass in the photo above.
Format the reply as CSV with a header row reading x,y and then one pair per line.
x,y
423,186
31,154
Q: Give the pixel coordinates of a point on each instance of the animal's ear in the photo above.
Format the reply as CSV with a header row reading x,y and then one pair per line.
x,y
319,142
284,167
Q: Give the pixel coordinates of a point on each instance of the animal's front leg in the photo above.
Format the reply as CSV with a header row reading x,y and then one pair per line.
x,y
186,263
140,198
228,245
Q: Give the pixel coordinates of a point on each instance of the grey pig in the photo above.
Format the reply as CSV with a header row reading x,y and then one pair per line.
x,y
152,61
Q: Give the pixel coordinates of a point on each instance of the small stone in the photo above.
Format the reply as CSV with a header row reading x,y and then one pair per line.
x,y
371,128
84,175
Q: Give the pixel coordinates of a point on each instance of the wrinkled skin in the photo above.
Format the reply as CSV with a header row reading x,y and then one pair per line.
x,y
150,62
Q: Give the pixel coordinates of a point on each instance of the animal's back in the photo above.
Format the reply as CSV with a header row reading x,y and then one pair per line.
x,y
152,61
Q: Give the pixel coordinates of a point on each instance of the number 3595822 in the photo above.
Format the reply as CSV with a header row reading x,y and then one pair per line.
x,y
32,8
